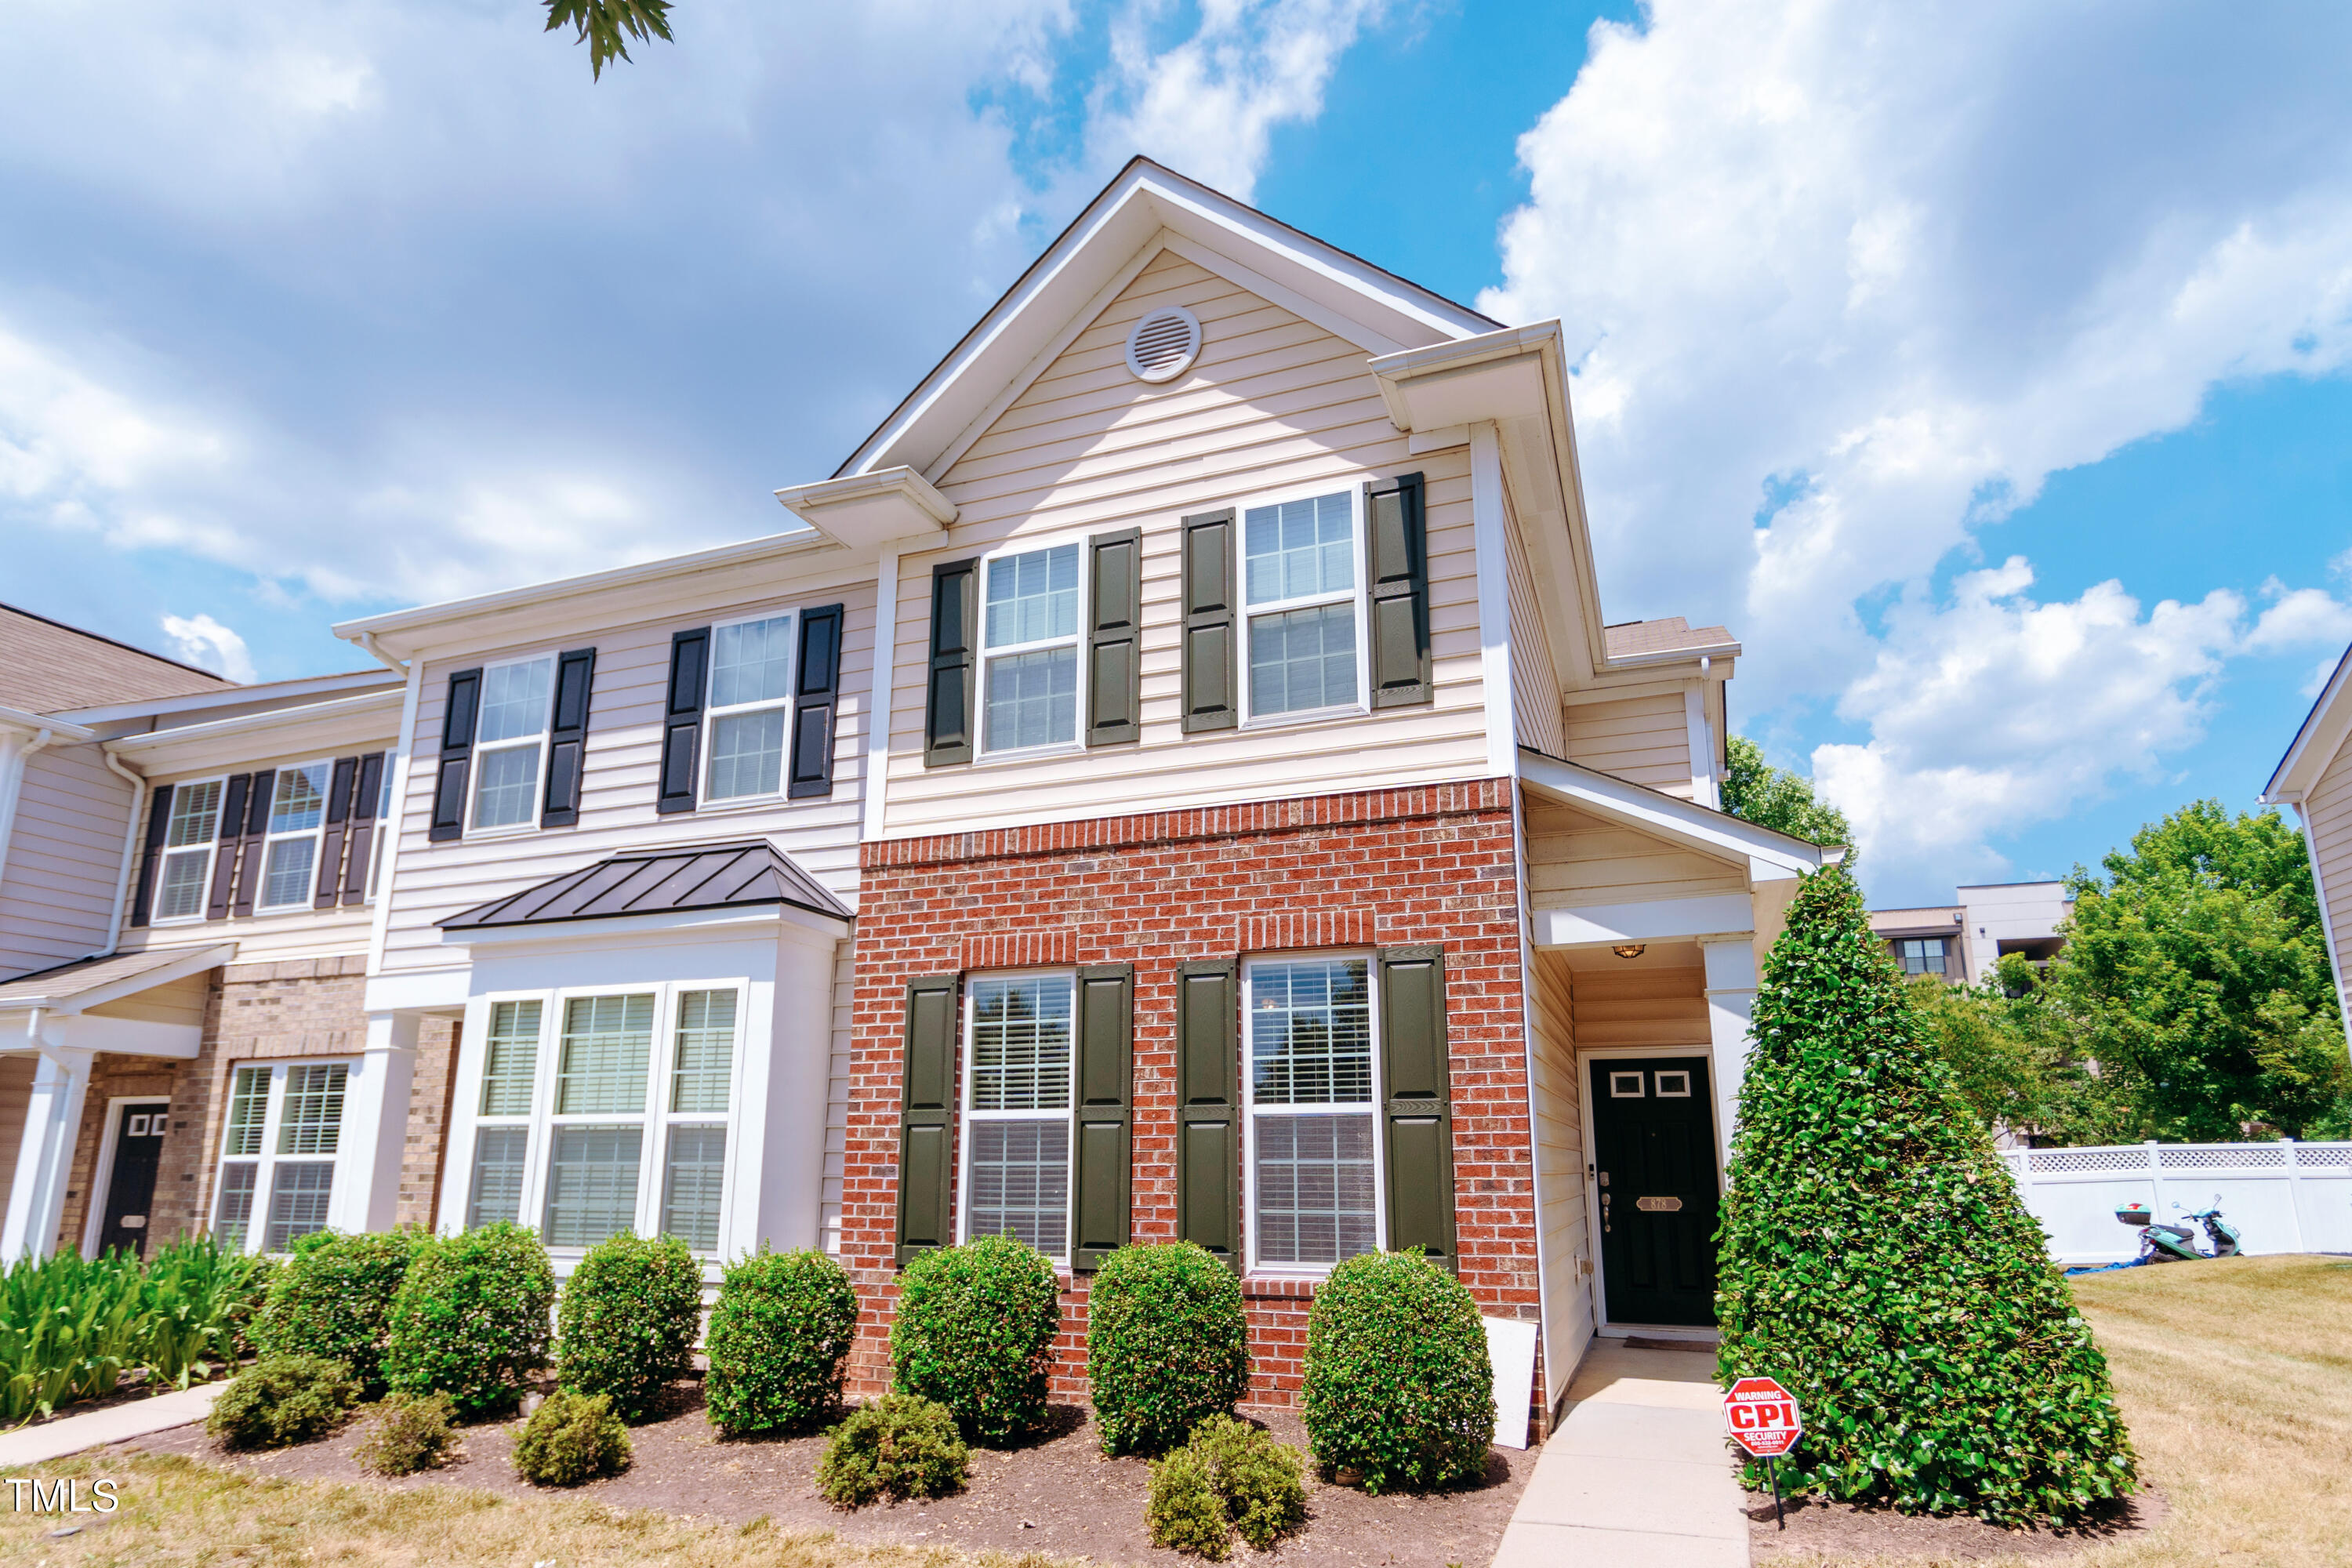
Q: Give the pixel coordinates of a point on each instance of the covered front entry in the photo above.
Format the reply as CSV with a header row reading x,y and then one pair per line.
x,y
1654,1162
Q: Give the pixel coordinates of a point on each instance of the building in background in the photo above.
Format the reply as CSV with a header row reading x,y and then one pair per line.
x,y
2316,778
1964,940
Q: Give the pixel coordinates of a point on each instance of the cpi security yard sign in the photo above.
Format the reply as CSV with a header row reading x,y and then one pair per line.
x,y
1764,1420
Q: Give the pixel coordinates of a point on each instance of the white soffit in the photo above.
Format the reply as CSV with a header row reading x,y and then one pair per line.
x,y
1661,920
1769,857
871,511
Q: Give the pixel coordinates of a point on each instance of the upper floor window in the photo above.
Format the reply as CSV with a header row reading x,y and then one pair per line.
x,y
510,742
297,811
193,826
1029,635
1921,955
1300,576
751,697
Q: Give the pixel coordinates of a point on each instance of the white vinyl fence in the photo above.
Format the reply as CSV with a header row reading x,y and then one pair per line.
x,y
2282,1197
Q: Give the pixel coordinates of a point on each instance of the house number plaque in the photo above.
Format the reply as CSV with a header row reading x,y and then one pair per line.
x,y
1659,1205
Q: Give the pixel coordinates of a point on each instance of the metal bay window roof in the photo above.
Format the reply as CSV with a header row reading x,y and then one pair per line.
x,y
652,883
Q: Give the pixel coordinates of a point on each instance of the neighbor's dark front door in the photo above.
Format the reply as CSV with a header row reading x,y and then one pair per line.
x,y
130,1191
1653,1159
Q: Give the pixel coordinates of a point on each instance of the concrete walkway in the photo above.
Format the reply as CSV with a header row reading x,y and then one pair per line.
x,y
1637,1475
132,1418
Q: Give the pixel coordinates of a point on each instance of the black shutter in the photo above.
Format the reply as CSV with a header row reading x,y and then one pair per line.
x,y
1114,639
567,738
1399,553
1101,1176
339,784
159,825
231,835
816,688
367,801
955,629
689,657
256,830
457,754
1211,629
1417,1123
1209,1108
927,1117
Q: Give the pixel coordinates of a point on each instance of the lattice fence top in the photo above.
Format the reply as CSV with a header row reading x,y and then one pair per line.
x,y
2143,1157
2132,1159
2233,1156
2309,1154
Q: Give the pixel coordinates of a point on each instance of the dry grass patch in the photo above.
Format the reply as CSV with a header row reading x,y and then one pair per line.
x,y
175,1511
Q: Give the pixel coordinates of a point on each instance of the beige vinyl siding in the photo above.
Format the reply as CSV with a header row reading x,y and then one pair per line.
x,y
1556,1102
175,1002
1275,407
65,858
620,783
1642,740
16,1096
1644,1002
837,1099
2327,817
1535,678
1575,861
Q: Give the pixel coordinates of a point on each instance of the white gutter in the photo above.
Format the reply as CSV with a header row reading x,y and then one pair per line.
x,y
129,845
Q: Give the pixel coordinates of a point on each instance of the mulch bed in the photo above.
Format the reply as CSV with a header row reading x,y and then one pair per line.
x,y
1840,1529
1056,1495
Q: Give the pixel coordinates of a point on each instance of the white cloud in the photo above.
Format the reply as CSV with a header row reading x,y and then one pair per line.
x,y
1868,275
2298,618
203,641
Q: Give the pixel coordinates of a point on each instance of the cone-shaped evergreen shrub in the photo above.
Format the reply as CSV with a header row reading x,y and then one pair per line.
x,y
1876,1260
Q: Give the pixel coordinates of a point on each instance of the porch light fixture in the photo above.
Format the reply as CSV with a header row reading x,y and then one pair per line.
x,y
1631,950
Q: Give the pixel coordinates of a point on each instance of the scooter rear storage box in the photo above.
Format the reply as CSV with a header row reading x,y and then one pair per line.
x,y
2136,1214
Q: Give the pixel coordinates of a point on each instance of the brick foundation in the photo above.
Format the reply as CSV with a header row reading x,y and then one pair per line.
x,y
1432,865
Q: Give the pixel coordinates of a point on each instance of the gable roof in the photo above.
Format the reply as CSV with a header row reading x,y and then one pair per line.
x,y
2315,743
49,667
1671,637
108,976
656,882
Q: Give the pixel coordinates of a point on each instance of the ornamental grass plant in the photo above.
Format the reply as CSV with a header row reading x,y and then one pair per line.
x,y
1398,1385
626,1322
1166,1344
1875,1259
974,1330
72,1328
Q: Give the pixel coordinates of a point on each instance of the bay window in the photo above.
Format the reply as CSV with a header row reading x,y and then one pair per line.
x,y
279,1145
1018,1070
750,702
1300,583
189,836
1029,645
510,742
1312,1099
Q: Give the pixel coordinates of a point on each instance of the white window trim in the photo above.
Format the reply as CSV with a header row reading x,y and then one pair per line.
x,y
265,1181
538,743
382,834
1251,1111
984,653
968,1115
657,1118
101,1182
209,848
1358,596
712,713
316,835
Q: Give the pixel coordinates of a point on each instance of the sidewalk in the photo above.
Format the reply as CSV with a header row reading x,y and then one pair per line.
x,y
1637,1475
132,1418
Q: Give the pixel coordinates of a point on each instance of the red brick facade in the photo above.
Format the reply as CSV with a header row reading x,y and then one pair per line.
x,y
1390,867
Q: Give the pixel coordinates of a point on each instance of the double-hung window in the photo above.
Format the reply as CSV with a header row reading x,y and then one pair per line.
x,y
1923,955
297,811
1018,1065
748,712
1312,1097
188,839
279,1145
1300,577
510,742
1029,648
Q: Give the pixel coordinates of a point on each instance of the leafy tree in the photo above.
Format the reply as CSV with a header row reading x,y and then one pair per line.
x,y
602,24
1875,1257
2195,975
2017,1059
1755,791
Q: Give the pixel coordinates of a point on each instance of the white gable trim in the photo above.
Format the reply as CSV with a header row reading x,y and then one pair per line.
x,y
1346,328
2321,735
1769,857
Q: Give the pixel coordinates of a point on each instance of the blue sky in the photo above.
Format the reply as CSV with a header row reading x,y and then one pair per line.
x,y
1984,366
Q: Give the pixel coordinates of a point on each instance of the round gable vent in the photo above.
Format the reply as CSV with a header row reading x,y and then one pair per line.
x,y
1164,344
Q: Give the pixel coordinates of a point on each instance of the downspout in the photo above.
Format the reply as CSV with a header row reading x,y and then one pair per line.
x,y
130,844
382,926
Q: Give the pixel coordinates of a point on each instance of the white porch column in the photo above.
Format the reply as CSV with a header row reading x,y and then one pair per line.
x,y
1730,999
375,1125
36,1203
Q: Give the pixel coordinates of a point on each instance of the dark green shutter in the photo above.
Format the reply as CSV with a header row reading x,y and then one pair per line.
x,y
567,738
1102,1175
689,669
955,628
456,752
1212,623
816,688
927,1117
1209,1107
339,784
1417,1121
257,833
366,805
226,840
1399,549
159,824
1114,639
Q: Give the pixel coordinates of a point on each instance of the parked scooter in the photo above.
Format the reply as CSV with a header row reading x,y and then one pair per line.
x,y
2178,1243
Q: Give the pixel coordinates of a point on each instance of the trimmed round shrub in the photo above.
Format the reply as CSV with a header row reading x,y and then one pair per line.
x,y
470,1320
626,1321
333,1298
975,1330
1874,1257
407,1431
779,1342
1399,1387
283,1399
1185,1513
1166,1344
899,1446
570,1438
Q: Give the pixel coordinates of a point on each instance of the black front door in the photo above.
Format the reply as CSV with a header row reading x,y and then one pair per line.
x,y
138,1145
1653,1159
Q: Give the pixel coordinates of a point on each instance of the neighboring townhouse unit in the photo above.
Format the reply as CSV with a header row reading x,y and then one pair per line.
x,y
1964,940
2316,778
